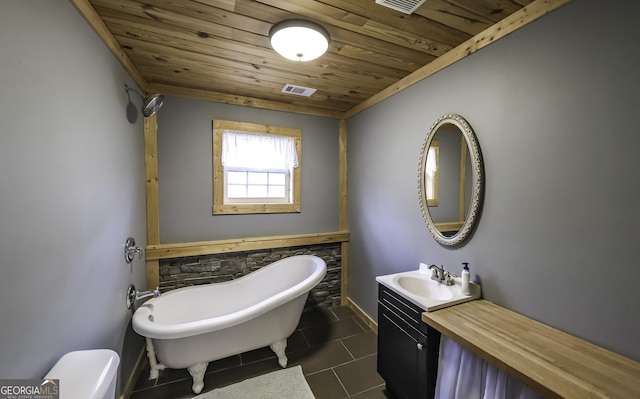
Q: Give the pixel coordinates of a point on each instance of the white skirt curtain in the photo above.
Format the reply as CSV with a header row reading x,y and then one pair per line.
x,y
463,375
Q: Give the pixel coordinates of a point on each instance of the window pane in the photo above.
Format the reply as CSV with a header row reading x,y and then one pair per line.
x,y
237,177
277,179
236,191
257,177
276,192
257,191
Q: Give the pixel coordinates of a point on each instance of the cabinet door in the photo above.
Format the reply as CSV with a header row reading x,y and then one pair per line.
x,y
397,355
423,378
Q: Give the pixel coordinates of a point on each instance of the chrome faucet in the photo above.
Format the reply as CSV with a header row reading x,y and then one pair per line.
x,y
133,295
146,294
440,275
130,250
437,273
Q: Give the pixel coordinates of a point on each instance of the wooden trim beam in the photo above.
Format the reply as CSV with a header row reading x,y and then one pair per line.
x,y
151,185
241,100
153,274
501,29
167,251
151,178
344,273
344,223
91,16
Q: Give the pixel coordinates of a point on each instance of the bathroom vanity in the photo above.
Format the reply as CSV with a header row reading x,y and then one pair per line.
x,y
407,347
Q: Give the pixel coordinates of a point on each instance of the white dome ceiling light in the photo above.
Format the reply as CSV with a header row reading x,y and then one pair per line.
x,y
299,40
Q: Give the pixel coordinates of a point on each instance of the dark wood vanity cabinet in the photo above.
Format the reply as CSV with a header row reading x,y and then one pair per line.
x,y
407,347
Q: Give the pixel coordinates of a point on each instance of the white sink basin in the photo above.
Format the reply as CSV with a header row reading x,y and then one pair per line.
x,y
428,294
425,288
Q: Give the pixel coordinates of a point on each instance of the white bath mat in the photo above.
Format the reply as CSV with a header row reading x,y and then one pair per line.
x,y
282,384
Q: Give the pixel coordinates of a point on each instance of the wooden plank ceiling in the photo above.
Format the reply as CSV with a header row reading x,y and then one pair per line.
x,y
219,49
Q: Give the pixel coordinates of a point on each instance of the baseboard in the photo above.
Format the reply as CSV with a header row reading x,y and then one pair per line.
x,y
365,317
133,378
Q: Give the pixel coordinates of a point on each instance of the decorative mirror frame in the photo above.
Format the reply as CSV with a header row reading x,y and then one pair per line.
x,y
477,188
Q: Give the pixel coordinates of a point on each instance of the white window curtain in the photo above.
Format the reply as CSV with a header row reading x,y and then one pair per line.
x,y
258,151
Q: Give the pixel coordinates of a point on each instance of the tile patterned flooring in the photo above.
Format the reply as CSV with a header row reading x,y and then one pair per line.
x,y
336,349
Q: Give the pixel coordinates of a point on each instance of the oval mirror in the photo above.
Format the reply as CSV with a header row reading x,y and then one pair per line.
x,y
450,180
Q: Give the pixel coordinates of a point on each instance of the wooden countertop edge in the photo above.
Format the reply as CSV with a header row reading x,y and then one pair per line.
x,y
494,360
552,380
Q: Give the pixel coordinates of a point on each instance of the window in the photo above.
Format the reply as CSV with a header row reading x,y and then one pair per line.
x,y
431,174
256,168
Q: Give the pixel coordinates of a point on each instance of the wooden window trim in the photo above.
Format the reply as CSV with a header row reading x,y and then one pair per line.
x,y
219,207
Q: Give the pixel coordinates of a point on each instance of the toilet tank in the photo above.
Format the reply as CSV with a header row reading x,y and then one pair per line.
x,y
89,374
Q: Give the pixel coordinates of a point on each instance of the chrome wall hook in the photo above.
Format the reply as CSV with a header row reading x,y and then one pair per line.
x,y
130,250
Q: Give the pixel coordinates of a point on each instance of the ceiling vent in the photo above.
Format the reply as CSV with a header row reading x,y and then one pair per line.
x,y
297,90
405,6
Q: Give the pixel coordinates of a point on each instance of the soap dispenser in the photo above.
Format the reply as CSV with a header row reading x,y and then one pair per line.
x,y
464,289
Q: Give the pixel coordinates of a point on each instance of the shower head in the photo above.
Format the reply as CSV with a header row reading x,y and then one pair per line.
x,y
150,105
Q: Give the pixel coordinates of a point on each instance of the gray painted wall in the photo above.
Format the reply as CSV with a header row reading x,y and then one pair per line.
x,y
72,184
553,106
185,174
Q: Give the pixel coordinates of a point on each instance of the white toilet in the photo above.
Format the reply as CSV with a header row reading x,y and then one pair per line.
x,y
89,374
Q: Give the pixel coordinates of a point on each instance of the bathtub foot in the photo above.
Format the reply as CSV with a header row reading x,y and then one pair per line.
x,y
278,347
197,373
154,366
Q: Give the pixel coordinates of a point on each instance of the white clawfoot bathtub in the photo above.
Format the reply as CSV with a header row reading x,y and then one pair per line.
x,y
189,327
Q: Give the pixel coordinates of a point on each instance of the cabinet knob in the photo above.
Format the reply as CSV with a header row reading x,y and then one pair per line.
x,y
419,346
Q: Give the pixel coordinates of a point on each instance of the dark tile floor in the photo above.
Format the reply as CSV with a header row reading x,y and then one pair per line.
x,y
336,349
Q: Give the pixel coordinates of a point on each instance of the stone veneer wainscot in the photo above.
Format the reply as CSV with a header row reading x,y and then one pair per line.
x,y
207,269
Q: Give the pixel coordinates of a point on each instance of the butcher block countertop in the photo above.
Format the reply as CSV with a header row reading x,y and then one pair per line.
x,y
549,361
